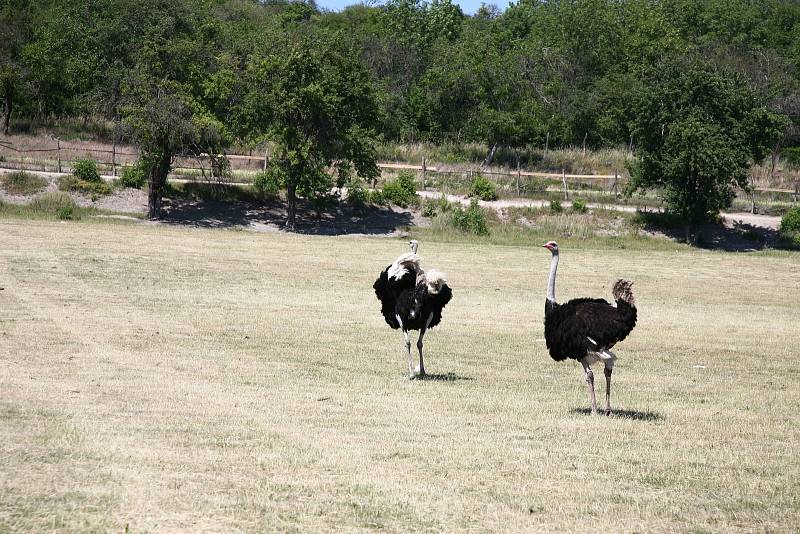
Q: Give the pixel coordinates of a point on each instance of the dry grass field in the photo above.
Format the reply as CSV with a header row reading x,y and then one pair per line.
x,y
155,378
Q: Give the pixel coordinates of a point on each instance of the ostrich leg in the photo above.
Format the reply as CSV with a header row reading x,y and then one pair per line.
x,y
590,385
407,344
607,371
609,359
419,345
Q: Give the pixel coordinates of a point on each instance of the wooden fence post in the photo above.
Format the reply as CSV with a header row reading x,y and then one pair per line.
x,y
796,191
265,158
547,143
518,176
564,181
58,146
114,156
614,186
424,169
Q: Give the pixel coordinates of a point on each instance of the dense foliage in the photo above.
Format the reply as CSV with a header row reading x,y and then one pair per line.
x,y
186,76
699,131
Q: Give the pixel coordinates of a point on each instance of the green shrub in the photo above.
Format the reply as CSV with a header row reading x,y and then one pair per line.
x,y
792,157
133,177
73,183
23,183
59,204
267,183
356,194
376,197
401,191
483,188
579,205
791,221
555,206
429,208
86,170
471,220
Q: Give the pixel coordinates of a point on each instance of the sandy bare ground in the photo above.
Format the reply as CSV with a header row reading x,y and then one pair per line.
x,y
761,221
376,221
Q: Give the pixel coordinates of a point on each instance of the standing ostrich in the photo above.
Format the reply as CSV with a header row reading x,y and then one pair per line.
x,y
412,299
585,329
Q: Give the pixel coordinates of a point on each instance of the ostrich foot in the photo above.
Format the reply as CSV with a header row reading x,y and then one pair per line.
x,y
609,412
420,371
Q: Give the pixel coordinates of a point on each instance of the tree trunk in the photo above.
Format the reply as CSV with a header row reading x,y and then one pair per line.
x,y
489,156
158,179
153,199
7,108
291,206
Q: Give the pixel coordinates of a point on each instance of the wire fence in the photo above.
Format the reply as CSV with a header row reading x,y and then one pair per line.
x,y
198,167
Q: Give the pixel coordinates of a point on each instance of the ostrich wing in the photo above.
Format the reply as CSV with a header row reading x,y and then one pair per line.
x,y
435,302
581,325
388,290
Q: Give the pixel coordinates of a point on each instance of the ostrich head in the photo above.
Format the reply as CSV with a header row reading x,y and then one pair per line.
x,y
413,244
552,246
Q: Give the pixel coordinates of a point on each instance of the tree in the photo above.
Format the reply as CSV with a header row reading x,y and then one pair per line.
x,y
315,103
697,132
166,104
162,122
14,34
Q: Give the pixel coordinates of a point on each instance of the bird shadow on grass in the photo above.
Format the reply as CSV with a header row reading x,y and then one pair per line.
x,y
624,414
443,377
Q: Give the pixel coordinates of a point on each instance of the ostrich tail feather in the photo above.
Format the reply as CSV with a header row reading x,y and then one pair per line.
x,y
623,290
435,280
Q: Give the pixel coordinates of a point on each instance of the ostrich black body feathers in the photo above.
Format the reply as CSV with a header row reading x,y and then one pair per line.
x,y
579,326
411,299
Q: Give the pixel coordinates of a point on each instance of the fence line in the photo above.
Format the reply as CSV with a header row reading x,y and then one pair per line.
x,y
565,178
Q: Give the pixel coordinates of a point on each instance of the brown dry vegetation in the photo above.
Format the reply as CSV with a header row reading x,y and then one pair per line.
x,y
169,379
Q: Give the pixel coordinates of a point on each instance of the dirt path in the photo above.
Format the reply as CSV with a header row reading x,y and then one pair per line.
x,y
760,221
136,201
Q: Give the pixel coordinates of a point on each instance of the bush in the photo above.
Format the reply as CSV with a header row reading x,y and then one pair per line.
x,y
59,204
402,191
483,188
86,170
792,157
471,220
73,183
376,197
133,177
791,221
555,206
429,209
579,205
23,183
267,183
356,194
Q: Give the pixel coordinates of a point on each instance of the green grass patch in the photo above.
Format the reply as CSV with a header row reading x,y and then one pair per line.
x,y
47,206
23,183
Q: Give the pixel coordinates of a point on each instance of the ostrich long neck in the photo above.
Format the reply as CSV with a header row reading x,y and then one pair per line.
x,y
551,283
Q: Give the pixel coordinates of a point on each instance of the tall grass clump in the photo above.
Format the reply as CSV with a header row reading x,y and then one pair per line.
x,y
23,183
58,204
579,205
